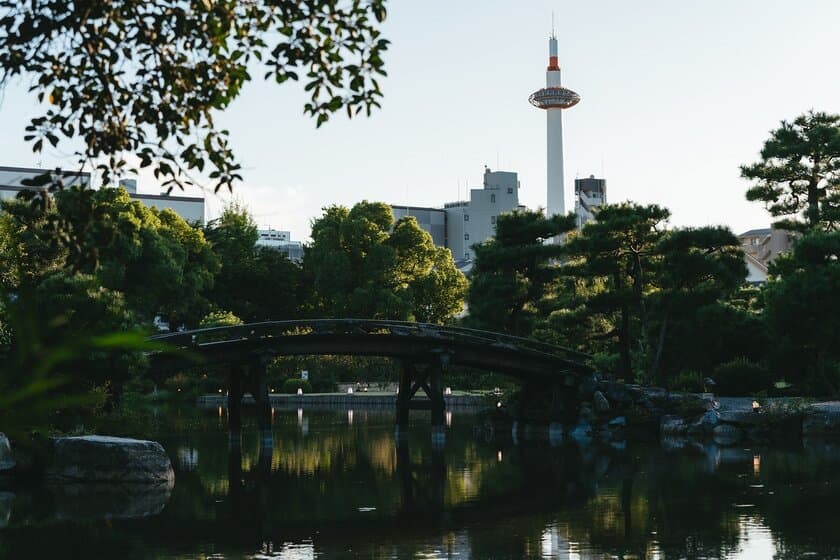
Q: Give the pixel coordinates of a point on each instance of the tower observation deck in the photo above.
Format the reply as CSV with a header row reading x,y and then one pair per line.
x,y
553,98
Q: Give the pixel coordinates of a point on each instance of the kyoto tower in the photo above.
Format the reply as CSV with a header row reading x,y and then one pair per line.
x,y
554,98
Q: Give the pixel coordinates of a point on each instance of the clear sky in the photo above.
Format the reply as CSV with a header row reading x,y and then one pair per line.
x,y
675,95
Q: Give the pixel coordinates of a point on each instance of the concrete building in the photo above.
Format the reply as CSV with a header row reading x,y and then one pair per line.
x,y
433,220
761,247
590,193
282,241
191,209
460,225
553,99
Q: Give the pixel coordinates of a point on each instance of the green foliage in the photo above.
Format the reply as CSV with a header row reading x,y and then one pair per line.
x,y
513,271
741,377
688,382
254,283
291,386
617,256
798,176
802,307
361,264
219,319
146,78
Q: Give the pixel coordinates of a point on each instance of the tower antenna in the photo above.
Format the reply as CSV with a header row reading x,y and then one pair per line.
x,y
553,34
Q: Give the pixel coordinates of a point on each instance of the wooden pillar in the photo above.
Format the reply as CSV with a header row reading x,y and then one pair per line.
x,y
234,404
260,391
404,397
436,396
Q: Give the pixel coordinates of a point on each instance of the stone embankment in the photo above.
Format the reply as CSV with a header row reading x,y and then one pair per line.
x,y
345,400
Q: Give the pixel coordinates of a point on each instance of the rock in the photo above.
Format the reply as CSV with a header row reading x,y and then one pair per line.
x,y
586,413
706,423
619,422
602,405
672,426
7,462
587,387
727,434
618,393
109,459
581,433
827,422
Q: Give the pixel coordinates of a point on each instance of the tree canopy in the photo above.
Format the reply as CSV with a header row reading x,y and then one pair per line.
x,y
146,78
362,264
798,176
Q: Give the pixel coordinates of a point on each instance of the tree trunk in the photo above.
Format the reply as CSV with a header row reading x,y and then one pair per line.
x,y
654,366
624,333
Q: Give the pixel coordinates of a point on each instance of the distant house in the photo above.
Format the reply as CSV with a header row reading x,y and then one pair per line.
x,y
761,247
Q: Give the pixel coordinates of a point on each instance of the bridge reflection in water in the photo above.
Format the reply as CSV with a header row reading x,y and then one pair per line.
x,y
424,351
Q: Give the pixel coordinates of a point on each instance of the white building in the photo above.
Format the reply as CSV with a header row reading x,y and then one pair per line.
x,y
191,209
282,241
462,224
590,193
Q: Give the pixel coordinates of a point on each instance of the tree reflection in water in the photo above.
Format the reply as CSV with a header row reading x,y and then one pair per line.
x,y
334,489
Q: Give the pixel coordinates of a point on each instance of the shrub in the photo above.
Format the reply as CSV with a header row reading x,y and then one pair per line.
x,y
688,382
291,386
741,377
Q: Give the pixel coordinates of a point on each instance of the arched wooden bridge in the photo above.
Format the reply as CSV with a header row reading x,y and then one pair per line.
x,y
424,350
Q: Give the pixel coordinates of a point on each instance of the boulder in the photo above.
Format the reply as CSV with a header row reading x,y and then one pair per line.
x,y
727,434
826,422
602,405
7,462
618,393
617,423
672,426
582,433
587,387
109,459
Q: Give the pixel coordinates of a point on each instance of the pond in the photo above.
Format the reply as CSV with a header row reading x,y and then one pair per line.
x,y
333,484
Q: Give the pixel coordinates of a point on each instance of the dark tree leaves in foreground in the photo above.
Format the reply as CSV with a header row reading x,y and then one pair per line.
x,y
799,173
514,271
122,77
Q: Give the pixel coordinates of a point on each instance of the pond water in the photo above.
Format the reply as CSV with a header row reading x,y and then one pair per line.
x,y
333,484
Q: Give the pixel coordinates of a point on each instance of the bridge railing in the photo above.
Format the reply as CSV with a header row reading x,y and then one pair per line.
x,y
271,329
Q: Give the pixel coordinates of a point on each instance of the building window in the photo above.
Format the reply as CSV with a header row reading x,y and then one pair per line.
x,y
492,198
466,217
510,190
493,220
466,237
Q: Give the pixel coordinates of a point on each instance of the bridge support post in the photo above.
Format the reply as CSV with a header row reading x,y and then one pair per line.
x,y
260,392
407,375
234,405
438,403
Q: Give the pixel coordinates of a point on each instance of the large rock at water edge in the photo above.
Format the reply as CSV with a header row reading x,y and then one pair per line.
x,y
7,462
109,459
602,405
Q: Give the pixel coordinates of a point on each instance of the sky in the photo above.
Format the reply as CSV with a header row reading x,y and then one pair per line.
x,y
674,97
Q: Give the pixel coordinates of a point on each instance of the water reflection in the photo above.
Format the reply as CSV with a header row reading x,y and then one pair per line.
x,y
339,484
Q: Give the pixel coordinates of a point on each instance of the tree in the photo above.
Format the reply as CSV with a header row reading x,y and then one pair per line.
x,y
799,173
120,76
699,267
255,283
512,272
362,264
802,306
617,256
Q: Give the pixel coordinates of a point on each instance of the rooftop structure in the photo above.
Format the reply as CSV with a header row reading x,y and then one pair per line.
x,y
590,193
553,99
190,208
282,241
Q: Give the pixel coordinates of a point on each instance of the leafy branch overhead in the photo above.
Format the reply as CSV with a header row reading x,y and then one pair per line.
x,y
146,77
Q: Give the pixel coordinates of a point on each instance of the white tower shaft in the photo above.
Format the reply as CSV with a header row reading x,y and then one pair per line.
x,y
555,199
